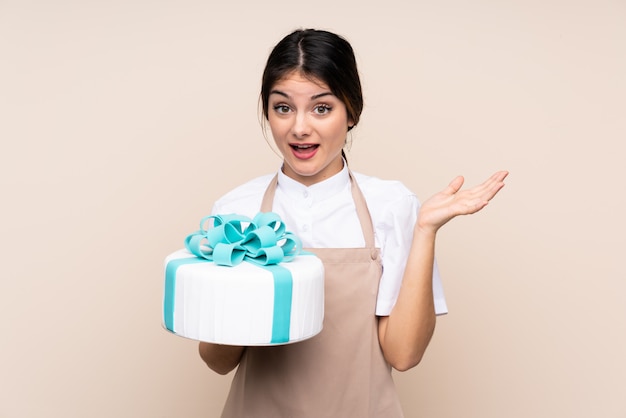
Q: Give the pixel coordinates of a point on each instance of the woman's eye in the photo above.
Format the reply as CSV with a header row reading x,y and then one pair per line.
x,y
281,108
322,109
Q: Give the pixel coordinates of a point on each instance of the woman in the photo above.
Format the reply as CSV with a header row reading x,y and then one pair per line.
x,y
382,289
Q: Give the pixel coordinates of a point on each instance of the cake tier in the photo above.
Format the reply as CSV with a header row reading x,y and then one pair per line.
x,y
246,304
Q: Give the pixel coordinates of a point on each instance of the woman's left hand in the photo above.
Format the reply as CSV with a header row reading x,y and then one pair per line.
x,y
452,201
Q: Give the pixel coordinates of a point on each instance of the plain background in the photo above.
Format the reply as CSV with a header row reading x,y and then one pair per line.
x,y
122,121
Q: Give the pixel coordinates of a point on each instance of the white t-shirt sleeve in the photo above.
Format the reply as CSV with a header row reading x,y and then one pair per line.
x,y
395,229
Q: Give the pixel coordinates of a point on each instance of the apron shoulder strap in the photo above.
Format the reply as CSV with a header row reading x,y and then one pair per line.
x,y
268,197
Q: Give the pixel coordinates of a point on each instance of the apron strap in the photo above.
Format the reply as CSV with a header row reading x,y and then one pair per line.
x,y
268,197
360,204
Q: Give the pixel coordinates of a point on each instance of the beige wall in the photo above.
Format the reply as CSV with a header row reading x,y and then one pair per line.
x,y
122,121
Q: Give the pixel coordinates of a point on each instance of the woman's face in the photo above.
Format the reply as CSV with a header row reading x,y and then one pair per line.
x,y
309,125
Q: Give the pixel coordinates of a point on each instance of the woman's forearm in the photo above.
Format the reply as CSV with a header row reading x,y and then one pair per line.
x,y
406,332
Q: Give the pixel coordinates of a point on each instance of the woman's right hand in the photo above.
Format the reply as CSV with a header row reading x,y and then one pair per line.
x,y
220,358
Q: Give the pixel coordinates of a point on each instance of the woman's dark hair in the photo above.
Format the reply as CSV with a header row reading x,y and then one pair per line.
x,y
319,55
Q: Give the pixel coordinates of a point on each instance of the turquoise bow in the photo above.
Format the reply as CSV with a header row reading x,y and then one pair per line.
x,y
235,238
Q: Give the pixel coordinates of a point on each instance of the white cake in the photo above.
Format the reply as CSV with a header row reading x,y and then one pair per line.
x,y
244,304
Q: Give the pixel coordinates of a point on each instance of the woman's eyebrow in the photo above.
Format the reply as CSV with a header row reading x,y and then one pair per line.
x,y
280,93
314,97
317,96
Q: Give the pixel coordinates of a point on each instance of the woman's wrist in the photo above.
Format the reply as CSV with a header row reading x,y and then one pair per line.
x,y
425,230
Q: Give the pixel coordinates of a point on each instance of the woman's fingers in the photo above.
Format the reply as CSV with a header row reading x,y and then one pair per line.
x,y
455,185
452,201
472,200
494,184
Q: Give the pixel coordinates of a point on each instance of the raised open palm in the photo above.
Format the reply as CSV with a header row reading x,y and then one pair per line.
x,y
452,201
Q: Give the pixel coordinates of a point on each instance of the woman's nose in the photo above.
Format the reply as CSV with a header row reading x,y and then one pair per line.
x,y
301,126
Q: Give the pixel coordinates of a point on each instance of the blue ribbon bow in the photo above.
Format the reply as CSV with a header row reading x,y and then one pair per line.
x,y
235,238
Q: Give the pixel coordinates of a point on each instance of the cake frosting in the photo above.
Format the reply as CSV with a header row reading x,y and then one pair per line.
x,y
243,282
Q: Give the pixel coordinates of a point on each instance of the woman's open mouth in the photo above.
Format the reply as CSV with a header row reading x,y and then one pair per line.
x,y
304,151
